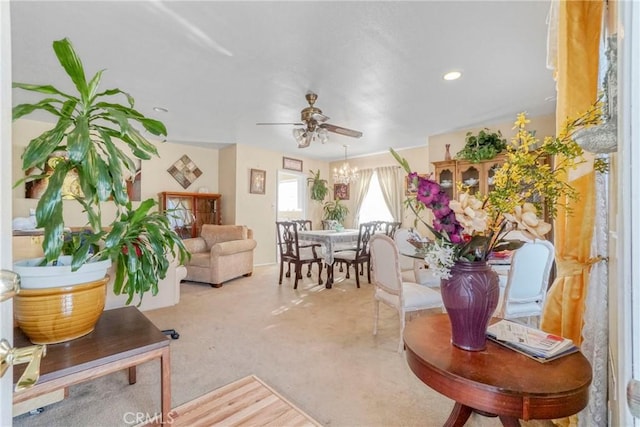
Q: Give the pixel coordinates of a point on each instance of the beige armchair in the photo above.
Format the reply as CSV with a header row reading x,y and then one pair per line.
x,y
221,253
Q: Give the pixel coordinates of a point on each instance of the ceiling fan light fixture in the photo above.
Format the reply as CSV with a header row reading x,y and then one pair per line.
x,y
323,135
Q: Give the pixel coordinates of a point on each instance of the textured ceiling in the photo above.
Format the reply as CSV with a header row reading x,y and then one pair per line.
x,y
221,67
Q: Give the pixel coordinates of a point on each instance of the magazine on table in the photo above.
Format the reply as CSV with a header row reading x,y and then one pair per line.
x,y
535,343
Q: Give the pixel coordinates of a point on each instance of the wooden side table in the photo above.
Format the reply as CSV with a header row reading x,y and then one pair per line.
x,y
497,381
123,338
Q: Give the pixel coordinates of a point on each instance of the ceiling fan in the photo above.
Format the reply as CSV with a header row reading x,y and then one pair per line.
x,y
315,128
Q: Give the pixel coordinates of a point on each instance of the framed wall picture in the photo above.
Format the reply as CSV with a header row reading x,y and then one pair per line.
x,y
409,188
257,181
292,164
341,191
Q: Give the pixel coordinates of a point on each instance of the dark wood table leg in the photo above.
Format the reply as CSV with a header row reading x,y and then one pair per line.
x,y
458,416
132,375
329,283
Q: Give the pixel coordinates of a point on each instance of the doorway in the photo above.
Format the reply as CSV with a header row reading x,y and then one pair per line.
x,y
291,199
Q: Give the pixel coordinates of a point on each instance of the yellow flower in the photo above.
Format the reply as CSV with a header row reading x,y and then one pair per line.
x,y
469,213
527,221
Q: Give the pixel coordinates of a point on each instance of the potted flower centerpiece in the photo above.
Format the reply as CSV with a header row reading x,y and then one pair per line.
x,y
89,143
335,212
468,230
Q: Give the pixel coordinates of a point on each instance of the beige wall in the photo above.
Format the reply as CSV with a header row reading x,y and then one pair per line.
x,y
228,183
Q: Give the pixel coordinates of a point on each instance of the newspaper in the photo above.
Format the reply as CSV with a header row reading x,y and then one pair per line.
x,y
535,341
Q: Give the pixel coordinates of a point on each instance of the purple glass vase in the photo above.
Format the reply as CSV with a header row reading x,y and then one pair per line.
x,y
470,296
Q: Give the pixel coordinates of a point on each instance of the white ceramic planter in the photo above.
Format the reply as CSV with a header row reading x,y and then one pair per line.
x,y
34,276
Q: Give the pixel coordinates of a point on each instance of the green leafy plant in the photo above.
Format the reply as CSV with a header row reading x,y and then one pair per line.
x,y
138,241
335,211
319,187
483,146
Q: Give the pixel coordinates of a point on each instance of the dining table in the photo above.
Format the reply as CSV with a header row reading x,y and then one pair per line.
x,y
330,240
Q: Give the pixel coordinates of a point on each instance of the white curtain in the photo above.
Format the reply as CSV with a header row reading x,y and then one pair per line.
x,y
361,187
595,342
389,179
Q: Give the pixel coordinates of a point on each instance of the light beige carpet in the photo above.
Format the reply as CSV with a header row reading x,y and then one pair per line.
x,y
313,345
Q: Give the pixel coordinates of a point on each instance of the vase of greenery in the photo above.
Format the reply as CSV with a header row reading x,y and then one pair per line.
x,y
484,145
100,144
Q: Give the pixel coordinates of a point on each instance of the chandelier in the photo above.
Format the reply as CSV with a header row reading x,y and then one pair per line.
x,y
305,136
345,174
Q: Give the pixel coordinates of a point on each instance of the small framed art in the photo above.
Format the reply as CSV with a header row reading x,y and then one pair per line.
x,y
257,181
341,191
292,164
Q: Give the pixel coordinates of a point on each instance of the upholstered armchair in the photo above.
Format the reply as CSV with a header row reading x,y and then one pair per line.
x,y
221,253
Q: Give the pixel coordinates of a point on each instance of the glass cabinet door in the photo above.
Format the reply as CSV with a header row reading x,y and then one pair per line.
x,y
469,175
446,177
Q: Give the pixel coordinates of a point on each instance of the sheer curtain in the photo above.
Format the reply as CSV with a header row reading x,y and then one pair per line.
x,y
361,187
389,179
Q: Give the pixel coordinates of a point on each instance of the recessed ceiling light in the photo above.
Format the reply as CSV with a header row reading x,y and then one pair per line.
x,y
452,75
160,109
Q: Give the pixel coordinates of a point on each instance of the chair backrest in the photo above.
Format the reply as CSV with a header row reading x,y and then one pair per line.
x,y
401,238
303,224
384,264
329,224
366,231
288,239
388,227
528,279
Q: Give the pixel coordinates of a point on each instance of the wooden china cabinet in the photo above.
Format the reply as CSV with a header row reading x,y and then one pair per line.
x,y
475,177
189,211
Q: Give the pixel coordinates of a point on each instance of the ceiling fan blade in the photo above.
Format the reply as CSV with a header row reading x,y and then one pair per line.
x,y
319,117
269,124
341,131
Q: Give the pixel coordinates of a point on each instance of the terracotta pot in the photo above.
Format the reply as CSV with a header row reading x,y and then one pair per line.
x,y
54,315
470,296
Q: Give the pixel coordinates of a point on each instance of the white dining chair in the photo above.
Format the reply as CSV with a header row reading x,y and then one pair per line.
x,y
526,289
390,289
413,270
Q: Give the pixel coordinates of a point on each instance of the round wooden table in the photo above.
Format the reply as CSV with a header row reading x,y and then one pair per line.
x,y
497,381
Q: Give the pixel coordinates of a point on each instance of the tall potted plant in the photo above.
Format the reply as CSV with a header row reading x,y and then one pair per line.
x,y
138,241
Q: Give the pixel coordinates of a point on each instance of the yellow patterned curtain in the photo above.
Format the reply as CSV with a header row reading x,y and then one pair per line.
x,y
578,33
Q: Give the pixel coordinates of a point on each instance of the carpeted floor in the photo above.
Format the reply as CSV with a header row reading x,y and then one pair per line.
x,y
313,345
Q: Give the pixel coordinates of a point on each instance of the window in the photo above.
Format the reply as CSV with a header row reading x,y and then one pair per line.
x,y
374,207
291,195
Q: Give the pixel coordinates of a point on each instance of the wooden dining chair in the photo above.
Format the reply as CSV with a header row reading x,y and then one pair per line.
x,y
304,225
292,252
358,257
389,228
